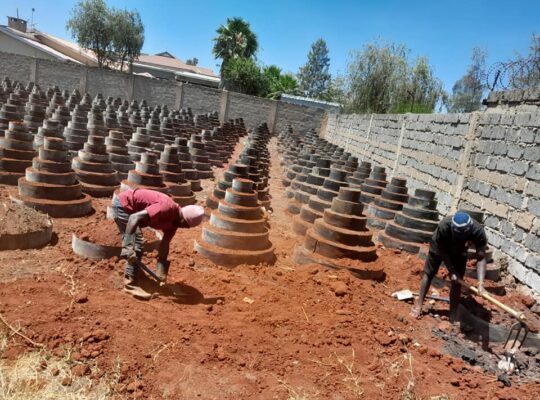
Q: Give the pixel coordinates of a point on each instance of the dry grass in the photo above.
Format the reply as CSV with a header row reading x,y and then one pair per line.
x,y
37,375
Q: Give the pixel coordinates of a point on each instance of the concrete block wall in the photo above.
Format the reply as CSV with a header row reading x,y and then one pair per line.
x,y
64,75
301,118
486,160
254,110
15,67
110,83
431,153
504,180
200,99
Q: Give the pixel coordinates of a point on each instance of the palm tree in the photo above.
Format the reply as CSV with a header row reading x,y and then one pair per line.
x,y
234,40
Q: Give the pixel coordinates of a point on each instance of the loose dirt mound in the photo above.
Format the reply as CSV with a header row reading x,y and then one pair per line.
x,y
17,219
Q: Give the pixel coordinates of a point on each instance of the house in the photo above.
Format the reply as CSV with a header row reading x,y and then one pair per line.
x,y
16,38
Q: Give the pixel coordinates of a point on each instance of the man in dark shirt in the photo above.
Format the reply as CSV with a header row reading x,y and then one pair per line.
x,y
449,245
137,208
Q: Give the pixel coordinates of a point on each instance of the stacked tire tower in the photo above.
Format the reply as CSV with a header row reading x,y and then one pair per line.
x,y
384,207
199,157
184,157
94,170
310,188
300,171
374,185
35,111
234,171
414,225
304,188
76,132
16,153
138,144
322,200
360,175
51,186
237,232
145,175
171,170
50,128
340,234
118,153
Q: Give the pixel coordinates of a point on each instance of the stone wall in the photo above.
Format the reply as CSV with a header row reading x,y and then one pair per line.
x,y
485,160
254,110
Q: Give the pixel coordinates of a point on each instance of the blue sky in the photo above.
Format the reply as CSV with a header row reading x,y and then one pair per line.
x,y
444,31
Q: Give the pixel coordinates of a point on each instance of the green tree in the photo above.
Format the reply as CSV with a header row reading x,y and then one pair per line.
x,y
467,92
245,76
380,79
279,83
525,70
128,36
422,91
375,78
314,78
90,25
234,39
192,61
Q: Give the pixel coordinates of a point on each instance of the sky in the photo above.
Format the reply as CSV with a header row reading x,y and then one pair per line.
x,y
444,31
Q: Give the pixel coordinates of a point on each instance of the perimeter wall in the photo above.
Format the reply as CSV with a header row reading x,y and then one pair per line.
x,y
485,160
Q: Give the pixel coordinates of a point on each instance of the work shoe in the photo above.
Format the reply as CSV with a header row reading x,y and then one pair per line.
x,y
130,274
162,270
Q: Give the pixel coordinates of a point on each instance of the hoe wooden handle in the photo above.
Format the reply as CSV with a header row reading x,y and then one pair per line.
x,y
516,314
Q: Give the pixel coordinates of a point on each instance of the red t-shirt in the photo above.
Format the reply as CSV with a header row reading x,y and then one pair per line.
x,y
162,210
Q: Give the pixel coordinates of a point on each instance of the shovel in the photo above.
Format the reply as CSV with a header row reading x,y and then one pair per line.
x,y
406,294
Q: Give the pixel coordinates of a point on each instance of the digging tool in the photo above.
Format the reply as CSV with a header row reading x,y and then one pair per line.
x,y
406,294
143,266
518,331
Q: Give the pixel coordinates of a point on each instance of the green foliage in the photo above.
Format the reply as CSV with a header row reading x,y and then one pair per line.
x,y
314,78
90,26
192,61
526,69
245,76
128,36
115,36
234,40
467,92
380,79
279,83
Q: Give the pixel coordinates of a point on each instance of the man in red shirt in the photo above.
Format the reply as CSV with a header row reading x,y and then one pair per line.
x,y
137,208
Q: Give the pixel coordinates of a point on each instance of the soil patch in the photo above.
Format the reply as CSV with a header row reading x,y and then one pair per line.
x,y
17,219
252,332
105,232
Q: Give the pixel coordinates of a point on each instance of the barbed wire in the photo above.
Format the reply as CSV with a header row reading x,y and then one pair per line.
x,y
517,74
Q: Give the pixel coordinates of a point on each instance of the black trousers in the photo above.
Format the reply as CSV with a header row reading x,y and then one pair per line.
x,y
434,261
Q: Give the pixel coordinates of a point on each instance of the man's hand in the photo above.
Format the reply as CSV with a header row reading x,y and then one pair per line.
x,y
162,270
481,289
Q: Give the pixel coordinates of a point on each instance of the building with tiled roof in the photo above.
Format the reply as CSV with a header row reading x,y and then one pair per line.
x,y
15,38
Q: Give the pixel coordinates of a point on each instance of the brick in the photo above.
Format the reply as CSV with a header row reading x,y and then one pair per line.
x,y
532,154
515,151
533,205
533,172
518,168
527,135
507,228
533,262
519,234
522,219
532,242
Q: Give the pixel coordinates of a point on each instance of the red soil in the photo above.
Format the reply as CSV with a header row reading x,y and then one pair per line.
x,y
253,332
105,232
